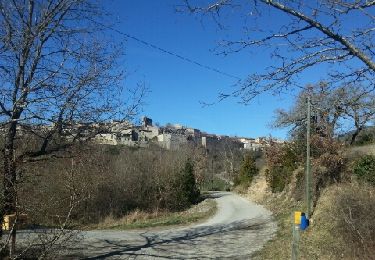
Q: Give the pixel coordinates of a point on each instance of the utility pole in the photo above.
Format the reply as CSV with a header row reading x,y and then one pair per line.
x,y
297,216
212,174
308,167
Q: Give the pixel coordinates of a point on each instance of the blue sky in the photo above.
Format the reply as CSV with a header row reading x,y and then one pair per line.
x,y
177,87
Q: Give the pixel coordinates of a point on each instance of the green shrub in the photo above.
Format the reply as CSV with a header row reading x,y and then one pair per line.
x,y
282,161
366,138
187,192
247,171
278,177
215,184
364,168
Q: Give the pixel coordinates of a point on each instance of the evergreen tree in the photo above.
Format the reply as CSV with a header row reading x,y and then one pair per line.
x,y
188,192
247,171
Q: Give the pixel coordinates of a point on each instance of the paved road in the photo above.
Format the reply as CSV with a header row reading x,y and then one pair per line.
x,y
237,230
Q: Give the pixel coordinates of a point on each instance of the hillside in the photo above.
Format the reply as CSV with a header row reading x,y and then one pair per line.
x,y
343,221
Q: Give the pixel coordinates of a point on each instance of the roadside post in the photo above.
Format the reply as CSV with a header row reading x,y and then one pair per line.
x,y
300,220
308,167
296,221
299,223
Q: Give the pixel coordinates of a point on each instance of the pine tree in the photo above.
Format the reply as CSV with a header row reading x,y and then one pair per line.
x,y
247,171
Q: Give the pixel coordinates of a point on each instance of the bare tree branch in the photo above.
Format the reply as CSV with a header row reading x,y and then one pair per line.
x,y
311,34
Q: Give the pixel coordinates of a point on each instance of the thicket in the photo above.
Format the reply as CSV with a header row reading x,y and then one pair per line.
x,y
282,160
364,169
247,171
329,164
343,218
343,210
91,182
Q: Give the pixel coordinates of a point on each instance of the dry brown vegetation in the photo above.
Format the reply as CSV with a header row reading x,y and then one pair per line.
x,y
85,184
102,181
140,219
343,221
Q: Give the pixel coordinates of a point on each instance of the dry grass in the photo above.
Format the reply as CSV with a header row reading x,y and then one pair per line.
x,y
280,246
142,219
356,151
343,225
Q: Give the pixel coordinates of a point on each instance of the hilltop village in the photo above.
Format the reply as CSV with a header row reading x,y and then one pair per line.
x,y
172,136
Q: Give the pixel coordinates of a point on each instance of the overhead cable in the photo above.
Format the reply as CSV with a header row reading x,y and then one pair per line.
x,y
153,46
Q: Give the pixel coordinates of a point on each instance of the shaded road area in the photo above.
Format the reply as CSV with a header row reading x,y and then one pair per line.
x,y
238,229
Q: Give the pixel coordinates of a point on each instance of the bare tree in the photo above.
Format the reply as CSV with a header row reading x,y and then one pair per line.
x,y
59,74
331,107
231,158
327,106
313,34
359,108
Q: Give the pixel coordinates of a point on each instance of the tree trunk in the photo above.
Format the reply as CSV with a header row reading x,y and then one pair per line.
x,y
43,147
355,134
10,190
9,170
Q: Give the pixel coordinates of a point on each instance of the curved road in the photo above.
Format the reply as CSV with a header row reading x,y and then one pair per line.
x,y
238,229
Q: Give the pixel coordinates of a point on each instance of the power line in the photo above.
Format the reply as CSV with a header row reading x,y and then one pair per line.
x,y
173,53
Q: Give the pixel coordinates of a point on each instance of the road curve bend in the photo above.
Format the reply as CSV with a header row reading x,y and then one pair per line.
x,y
236,231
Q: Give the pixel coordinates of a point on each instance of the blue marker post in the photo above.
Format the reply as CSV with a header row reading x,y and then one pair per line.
x,y
299,222
304,222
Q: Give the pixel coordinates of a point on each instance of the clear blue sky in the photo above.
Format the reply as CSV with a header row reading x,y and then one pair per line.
x,y
177,87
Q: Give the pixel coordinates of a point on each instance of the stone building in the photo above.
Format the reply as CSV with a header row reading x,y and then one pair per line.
x,y
171,141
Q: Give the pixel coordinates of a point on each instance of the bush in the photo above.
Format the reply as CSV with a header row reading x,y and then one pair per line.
x,y
364,168
278,178
282,160
365,138
186,187
215,184
247,171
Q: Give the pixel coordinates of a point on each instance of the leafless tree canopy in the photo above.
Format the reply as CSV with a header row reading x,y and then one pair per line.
x,y
335,35
331,108
59,70
327,108
56,64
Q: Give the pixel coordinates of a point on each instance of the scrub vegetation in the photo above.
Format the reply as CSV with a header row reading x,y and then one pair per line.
x,y
103,183
342,187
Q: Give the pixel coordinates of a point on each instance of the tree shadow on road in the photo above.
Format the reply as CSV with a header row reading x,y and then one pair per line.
x,y
180,244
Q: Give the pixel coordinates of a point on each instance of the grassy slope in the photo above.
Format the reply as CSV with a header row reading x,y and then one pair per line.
x,y
139,219
318,242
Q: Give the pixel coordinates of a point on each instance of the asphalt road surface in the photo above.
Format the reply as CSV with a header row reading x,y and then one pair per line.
x,y
238,229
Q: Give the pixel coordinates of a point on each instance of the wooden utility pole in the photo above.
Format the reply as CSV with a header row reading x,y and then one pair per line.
x,y
308,167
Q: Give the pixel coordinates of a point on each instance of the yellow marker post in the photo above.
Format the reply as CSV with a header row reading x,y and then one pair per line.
x,y
297,217
296,221
9,221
